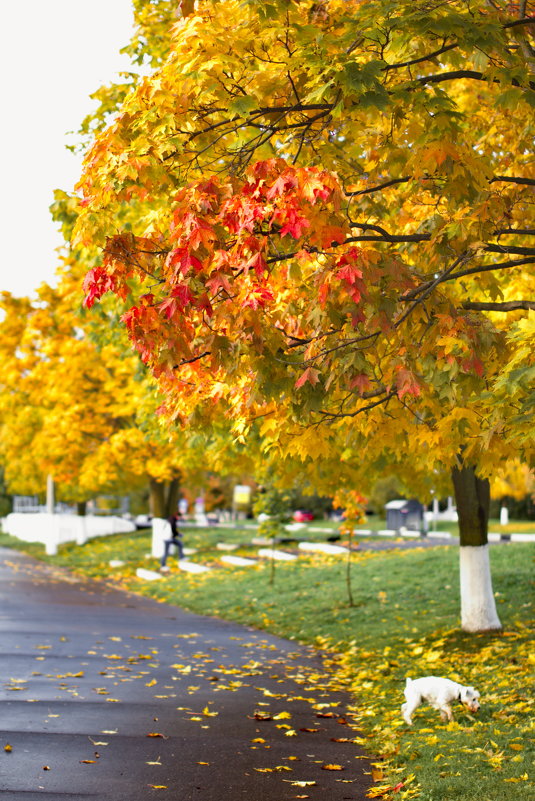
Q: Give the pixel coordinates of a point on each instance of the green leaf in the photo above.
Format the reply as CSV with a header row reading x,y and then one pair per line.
x,y
243,105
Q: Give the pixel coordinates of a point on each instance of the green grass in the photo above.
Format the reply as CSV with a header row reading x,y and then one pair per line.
x,y
404,622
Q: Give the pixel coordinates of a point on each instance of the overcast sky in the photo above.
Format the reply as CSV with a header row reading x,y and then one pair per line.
x,y
53,55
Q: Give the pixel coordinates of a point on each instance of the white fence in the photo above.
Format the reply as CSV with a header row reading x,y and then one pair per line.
x,y
53,530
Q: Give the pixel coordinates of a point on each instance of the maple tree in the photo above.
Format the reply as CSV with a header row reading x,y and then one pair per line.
x,y
320,214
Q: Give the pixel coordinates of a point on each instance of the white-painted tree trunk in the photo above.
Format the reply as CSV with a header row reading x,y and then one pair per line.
x,y
478,608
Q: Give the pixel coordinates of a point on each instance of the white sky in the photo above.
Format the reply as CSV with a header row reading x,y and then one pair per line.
x,y
53,55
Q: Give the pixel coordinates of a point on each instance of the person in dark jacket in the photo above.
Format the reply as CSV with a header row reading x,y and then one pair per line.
x,y
175,540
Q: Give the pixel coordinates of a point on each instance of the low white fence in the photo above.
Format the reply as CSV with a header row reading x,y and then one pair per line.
x,y
54,530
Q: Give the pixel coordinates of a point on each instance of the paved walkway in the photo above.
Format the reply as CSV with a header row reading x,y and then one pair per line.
x,y
111,696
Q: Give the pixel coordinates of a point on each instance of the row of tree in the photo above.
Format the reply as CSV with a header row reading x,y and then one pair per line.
x,y
315,220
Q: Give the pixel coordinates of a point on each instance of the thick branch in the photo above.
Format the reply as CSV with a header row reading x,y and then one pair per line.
x,y
511,179
473,74
515,249
511,305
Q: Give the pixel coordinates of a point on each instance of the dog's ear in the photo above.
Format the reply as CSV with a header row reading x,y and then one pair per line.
x,y
469,693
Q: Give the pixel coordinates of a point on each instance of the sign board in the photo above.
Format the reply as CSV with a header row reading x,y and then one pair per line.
x,y
242,494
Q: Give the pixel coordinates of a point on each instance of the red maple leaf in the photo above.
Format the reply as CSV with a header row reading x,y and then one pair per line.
x,y
258,297
309,375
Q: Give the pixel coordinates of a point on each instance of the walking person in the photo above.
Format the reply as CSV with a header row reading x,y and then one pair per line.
x,y
175,540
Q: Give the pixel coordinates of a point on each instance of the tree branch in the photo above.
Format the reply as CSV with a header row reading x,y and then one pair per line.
x,y
380,186
511,179
511,305
514,249
190,361
337,416
456,74
482,268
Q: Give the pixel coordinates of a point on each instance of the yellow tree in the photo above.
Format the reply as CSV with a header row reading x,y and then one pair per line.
x,y
325,221
78,409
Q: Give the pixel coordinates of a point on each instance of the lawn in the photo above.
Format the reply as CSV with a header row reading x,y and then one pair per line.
x,y
404,621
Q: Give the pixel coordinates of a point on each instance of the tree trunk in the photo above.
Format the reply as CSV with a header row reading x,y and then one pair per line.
x,y
164,497
81,508
472,496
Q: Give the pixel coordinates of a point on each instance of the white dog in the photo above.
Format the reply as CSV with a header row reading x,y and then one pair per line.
x,y
439,693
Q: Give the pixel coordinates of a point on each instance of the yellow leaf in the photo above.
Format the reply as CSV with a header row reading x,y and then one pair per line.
x,y
332,767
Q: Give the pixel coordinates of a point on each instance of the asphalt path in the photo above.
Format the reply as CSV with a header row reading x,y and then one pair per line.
x,y
108,695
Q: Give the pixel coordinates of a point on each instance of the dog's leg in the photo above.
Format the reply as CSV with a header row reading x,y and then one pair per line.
x,y
408,708
446,713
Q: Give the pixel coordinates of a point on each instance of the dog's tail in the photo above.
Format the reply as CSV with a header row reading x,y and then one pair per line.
x,y
408,681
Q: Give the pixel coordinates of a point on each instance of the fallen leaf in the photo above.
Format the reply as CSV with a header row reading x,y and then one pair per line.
x,y
261,716
299,783
8,748
156,734
332,767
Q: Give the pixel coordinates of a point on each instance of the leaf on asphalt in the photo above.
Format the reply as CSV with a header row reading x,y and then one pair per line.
x,y
300,783
156,734
158,786
332,767
8,748
87,761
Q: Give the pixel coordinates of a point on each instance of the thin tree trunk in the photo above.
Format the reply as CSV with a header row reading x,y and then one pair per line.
x,y
81,508
472,496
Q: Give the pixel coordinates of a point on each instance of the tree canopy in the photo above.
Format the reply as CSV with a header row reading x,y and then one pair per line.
x,y
321,215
